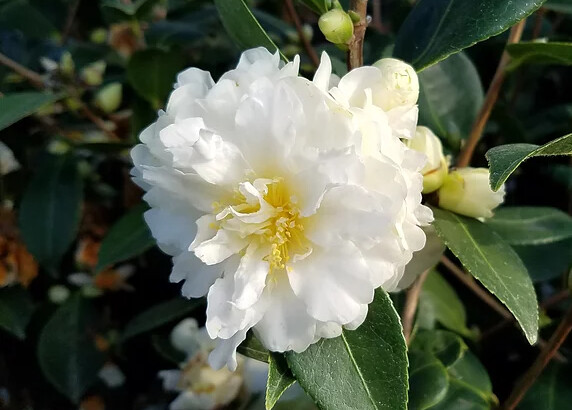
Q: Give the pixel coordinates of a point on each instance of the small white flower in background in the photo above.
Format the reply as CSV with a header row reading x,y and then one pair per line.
x,y
467,191
8,162
436,168
111,375
201,387
286,200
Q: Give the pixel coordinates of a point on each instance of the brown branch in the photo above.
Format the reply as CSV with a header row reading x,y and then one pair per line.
x,y
376,21
490,99
474,286
528,379
411,302
305,41
97,121
34,78
69,21
355,51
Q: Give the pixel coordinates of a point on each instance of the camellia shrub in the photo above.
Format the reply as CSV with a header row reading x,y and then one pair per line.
x,y
313,204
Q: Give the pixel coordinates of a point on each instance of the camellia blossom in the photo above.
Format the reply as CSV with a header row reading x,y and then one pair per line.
x,y
285,201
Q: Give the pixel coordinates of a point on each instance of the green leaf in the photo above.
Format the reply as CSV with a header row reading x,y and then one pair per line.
x,y
531,225
560,6
159,315
129,237
461,396
318,6
152,72
444,345
439,302
469,369
428,381
532,52
22,16
450,96
162,345
504,159
15,106
436,29
117,10
16,309
494,263
67,352
279,379
242,26
551,391
362,369
545,262
253,348
50,209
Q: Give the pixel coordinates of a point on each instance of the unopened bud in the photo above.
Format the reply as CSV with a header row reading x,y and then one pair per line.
x,y
466,191
93,73
436,168
399,86
67,66
58,294
98,36
108,98
337,26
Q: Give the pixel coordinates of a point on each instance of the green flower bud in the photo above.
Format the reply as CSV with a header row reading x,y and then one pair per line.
x,y
93,73
436,168
108,98
466,191
337,26
67,66
98,36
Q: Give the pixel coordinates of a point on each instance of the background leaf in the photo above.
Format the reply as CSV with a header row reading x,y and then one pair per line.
x,y
428,381
160,315
66,349
16,308
445,346
561,6
494,263
546,262
504,159
531,225
242,26
450,96
152,73
551,391
279,379
539,53
436,29
15,106
253,348
129,237
345,372
50,209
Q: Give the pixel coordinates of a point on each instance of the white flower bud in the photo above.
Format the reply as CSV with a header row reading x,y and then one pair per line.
x,y
337,26
399,86
93,73
8,162
466,191
436,168
108,98
58,294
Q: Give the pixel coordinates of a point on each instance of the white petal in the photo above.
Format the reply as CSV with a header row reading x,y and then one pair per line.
x,y
250,277
225,351
323,73
220,247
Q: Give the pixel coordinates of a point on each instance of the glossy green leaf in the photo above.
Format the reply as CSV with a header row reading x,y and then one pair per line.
x,y
445,346
494,263
436,29
560,6
362,369
545,262
439,302
67,352
428,381
504,159
450,96
15,106
469,370
21,15
160,315
50,209
129,237
279,379
242,26
16,309
253,348
461,396
522,225
532,52
152,72
318,6
551,391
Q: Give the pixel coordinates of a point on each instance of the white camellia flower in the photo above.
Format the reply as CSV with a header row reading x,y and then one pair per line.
x,y
285,200
466,191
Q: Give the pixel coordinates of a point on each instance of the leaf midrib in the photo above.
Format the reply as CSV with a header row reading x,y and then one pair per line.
x,y
362,379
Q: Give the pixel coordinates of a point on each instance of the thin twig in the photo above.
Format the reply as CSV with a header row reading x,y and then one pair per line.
x,y
528,379
34,78
411,302
97,121
490,99
376,21
474,286
355,51
305,41
69,21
